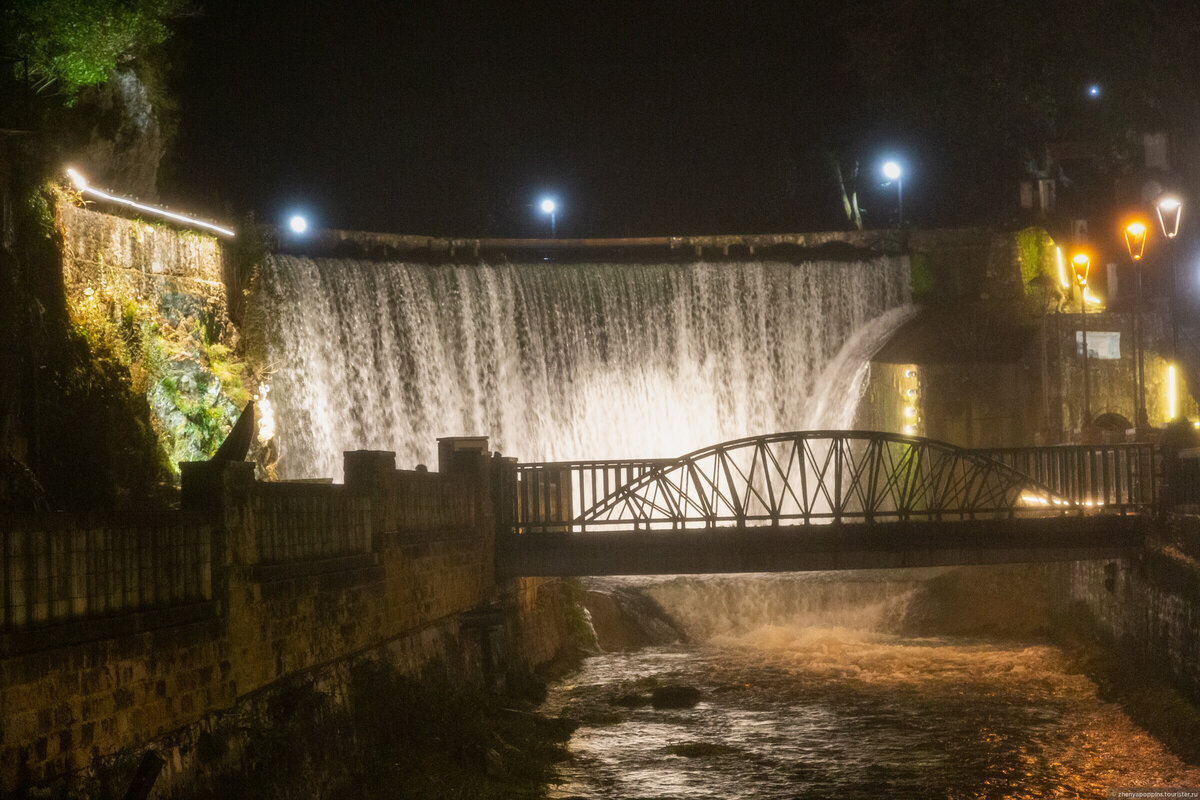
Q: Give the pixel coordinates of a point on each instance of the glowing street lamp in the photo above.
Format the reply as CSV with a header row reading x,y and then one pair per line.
x,y
893,172
298,224
1135,243
550,207
1170,209
1081,264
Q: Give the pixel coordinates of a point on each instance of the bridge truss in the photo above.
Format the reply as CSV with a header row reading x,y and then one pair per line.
x,y
827,477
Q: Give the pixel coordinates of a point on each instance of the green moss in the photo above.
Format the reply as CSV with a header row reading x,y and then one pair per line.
x,y
922,276
1035,251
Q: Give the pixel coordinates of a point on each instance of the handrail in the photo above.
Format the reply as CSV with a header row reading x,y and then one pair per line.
x,y
816,477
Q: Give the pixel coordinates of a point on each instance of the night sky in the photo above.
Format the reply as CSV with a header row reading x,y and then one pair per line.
x,y
642,118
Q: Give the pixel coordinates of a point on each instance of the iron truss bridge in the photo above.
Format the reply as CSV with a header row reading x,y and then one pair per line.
x,y
824,500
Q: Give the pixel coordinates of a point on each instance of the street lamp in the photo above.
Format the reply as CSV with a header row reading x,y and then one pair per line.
x,y
1135,243
893,172
1170,209
1082,264
550,207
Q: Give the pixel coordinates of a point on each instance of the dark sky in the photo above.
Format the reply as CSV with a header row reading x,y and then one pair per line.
x,y
642,118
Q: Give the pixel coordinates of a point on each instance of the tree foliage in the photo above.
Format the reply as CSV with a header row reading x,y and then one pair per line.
x,y
73,44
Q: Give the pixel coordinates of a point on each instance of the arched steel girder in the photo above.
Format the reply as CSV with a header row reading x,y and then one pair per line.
x,y
811,477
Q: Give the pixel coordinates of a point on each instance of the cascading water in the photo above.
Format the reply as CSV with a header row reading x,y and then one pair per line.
x,y
558,361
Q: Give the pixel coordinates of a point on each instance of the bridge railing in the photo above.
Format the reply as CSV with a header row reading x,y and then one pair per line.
x,y
819,477
1119,478
550,495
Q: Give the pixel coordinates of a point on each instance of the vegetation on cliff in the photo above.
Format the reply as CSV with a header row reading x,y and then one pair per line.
x,y
73,44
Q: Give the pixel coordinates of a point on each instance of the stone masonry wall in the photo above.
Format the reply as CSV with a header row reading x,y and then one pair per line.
x,y
416,554
1151,606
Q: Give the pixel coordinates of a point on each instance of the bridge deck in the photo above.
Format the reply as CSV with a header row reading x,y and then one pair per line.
x,y
798,548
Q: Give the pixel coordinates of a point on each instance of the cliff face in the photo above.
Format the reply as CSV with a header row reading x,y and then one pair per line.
x,y
152,298
123,142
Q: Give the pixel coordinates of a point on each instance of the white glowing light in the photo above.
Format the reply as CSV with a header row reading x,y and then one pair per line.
x,y
909,430
298,224
911,393
1094,91
910,412
266,415
910,373
1090,298
892,171
1034,500
1062,271
548,206
82,185
1170,209
1172,406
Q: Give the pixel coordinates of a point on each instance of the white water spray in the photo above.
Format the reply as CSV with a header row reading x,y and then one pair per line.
x,y
561,361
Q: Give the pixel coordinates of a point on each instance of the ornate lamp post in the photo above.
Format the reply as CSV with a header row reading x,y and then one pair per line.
x,y
1135,243
1081,263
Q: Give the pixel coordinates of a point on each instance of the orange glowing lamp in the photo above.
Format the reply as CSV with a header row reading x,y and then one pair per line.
x,y
1081,264
1135,239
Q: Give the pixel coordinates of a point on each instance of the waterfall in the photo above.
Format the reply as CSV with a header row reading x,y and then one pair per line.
x,y
561,361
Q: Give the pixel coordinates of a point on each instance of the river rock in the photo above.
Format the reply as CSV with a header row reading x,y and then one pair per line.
x,y
675,697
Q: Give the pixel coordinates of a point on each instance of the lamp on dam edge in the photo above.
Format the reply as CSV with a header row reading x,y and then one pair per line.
x,y
1135,243
893,172
550,207
1081,264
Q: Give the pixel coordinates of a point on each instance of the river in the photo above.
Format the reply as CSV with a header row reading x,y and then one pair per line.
x,y
810,687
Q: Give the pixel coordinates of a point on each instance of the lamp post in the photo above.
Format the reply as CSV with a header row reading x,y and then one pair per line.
x,y
1170,209
1135,243
550,207
1081,264
893,172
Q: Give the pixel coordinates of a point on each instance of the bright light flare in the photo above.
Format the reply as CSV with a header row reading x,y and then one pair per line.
x,y
1094,91
1062,269
298,224
549,206
892,171
85,188
266,415
1172,404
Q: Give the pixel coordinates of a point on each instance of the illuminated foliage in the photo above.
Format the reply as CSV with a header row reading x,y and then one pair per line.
x,y
73,44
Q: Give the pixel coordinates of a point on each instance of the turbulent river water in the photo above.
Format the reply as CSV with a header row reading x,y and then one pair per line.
x,y
807,690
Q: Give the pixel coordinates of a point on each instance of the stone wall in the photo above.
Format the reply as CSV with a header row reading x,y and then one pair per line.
x,y
408,570
1148,608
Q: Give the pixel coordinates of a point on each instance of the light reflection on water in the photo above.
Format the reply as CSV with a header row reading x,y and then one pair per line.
x,y
841,713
